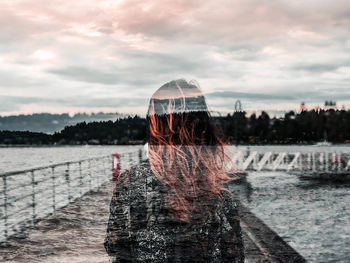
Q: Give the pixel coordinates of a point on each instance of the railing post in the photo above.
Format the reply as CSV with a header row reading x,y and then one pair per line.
x,y
100,172
53,190
68,183
4,188
107,162
140,155
97,174
321,167
120,161
89,175
255,161
33,197
130,159
112,167
103,160
80,180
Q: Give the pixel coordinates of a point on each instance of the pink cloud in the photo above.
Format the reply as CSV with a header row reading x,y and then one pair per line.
x,y
122,47
168,19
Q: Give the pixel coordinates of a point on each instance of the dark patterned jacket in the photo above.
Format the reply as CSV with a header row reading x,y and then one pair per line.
x,y
143,228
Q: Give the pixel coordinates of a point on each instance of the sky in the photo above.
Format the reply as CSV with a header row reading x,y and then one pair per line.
x,y
112,55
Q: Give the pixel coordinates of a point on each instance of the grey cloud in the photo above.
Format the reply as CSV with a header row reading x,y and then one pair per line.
x,y
168,61
297,95
86,74
12,103
240,50
143,69
319,67
107,77
244,95
110,102
9,79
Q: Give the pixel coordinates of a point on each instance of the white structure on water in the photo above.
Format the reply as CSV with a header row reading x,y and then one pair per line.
x,y
311,163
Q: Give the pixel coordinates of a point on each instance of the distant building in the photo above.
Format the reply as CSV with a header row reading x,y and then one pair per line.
x,y
302,107
328,105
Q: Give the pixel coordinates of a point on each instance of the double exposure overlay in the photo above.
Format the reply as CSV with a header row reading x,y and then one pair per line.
x,y
174,131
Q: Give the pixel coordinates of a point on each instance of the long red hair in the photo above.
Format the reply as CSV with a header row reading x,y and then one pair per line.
x,y
187,154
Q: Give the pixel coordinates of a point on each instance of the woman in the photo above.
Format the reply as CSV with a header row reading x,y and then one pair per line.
x,y
175,207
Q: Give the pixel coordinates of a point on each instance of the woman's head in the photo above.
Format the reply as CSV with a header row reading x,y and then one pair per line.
x,y
178,115
185,149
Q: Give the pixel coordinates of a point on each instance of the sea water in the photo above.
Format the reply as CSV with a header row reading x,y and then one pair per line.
x,y
312,216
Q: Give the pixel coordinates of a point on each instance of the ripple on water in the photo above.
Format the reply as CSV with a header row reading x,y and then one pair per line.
x,y
312,217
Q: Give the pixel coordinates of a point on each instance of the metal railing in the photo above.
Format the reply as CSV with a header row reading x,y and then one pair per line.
x,y
31,194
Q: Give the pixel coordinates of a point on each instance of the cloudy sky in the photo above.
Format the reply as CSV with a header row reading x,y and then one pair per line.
x,y
111,55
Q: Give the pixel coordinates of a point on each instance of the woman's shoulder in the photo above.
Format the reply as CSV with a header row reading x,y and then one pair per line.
x,y
136,172
138,177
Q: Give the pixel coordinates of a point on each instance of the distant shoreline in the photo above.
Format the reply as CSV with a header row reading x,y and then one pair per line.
x,y
119,145
61,145
304,128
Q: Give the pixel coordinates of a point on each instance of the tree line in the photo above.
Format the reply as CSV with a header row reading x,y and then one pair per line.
x,y
50,123
305,127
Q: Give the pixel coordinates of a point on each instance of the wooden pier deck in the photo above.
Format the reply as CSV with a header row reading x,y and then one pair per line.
x,y
77,232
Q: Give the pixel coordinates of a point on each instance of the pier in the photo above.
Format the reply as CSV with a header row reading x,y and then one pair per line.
x,y
31,194
73,227
76,232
